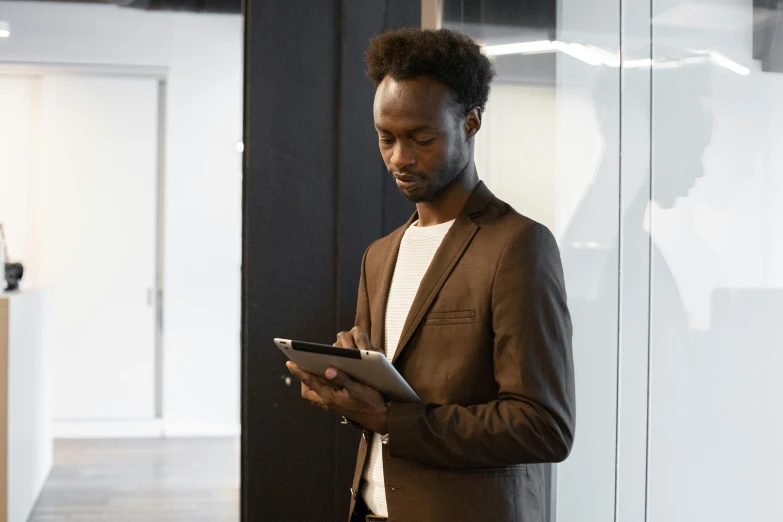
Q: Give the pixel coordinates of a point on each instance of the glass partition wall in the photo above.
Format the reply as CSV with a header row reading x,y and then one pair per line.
x,y
716,226
647,136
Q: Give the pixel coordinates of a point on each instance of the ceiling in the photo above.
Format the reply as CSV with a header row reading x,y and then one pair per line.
x,y
197,6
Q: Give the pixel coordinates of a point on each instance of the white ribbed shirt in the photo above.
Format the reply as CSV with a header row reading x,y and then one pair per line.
x,y
417,249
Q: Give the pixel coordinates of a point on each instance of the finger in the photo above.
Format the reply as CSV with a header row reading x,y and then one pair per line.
x,y
299,373
323,382
307,377
325,391
294,369
345,340
306,391
340,379
361,338
313,397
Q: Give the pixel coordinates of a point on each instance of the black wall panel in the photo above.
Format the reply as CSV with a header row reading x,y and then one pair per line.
x,y
315,195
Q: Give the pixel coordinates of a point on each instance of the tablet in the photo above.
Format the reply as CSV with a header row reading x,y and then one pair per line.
x,y
368,367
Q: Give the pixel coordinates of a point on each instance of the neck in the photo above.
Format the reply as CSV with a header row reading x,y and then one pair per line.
x,y
449,203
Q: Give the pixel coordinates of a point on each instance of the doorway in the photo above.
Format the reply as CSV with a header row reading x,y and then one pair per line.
x,y
84,203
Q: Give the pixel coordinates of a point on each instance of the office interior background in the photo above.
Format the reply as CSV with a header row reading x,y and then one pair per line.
x,y
165,178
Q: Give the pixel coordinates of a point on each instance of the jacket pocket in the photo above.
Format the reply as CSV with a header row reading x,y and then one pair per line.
x,y
448,318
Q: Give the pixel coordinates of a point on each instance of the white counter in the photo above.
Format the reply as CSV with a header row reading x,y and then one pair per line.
x,y
26,446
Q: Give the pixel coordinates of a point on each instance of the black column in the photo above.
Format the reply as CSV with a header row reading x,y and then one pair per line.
x,y
315,195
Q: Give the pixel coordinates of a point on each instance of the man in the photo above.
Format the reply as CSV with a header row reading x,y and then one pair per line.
x,y
467,300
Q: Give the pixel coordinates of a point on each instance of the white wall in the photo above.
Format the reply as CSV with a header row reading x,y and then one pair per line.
x,y
16,105
202,55
203,223
515,149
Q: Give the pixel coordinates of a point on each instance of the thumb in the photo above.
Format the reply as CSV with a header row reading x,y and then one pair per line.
x,y
338,378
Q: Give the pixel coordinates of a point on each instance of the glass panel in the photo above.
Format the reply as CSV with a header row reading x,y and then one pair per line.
x,y
587,200
549,146
717,269
683,190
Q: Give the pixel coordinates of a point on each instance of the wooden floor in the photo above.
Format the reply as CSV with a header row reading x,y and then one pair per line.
x,y
172,480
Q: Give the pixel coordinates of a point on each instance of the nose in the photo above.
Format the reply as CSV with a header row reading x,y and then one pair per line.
x,y
402,156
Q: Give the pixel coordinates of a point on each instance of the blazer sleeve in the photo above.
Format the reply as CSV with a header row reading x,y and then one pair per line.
x,y
533,418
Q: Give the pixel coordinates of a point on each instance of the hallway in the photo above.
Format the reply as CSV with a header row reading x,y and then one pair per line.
x,y
150,480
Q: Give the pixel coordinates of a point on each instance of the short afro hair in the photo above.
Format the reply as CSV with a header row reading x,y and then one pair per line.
x,y
447,56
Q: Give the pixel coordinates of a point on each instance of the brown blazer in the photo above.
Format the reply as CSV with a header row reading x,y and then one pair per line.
x,y
487,346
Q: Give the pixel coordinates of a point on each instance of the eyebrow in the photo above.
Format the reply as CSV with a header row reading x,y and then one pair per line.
x,y
412,131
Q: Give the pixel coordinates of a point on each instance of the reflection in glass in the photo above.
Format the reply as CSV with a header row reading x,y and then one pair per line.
x,y
714,381
662,176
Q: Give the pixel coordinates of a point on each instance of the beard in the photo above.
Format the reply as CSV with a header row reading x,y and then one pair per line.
x,y
440,182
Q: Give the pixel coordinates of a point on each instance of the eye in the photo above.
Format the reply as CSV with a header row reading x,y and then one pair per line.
x,y
424,142
387,141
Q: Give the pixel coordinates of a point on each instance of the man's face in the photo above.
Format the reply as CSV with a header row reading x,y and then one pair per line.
x,y
421,135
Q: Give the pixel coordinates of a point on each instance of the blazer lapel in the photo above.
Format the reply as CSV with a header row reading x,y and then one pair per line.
x,y
454,244
379,333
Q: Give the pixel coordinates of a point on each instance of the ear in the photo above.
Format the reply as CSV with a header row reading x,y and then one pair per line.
x,y
472,122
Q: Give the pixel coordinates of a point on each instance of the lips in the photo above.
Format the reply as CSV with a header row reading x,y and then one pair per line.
x,y
407,185
407,182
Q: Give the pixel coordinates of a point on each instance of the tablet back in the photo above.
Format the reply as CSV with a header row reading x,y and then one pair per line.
x,y
368,367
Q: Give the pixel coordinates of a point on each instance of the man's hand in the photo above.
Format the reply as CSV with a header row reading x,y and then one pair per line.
x,y
355,338
337,392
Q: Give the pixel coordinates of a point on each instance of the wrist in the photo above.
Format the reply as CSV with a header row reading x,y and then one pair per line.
x,y
381,421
